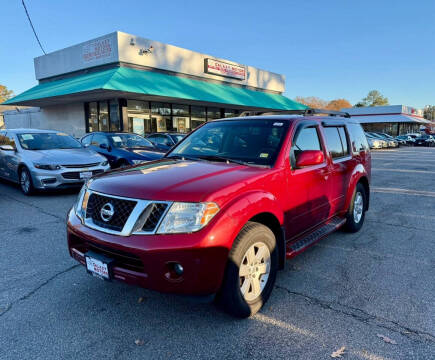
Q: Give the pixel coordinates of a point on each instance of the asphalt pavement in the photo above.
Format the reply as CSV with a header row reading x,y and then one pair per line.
x,y
372,292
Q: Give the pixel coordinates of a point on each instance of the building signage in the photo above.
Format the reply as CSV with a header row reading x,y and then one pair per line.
x,y
221,68
96,50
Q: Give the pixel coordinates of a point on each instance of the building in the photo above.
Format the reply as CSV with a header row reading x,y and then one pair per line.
x,y
122,82
6,108
393,120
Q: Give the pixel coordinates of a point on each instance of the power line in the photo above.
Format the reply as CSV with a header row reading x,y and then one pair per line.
x,y
30,21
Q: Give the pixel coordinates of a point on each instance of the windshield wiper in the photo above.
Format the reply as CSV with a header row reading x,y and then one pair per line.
x,y
222,158
182,157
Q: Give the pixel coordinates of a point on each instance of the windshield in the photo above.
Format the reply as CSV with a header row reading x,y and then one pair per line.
x,y
256,142
176,138
130,141
47,141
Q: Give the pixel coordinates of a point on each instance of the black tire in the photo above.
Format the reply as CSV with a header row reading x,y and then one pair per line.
x,y
26,187
230,297
352,223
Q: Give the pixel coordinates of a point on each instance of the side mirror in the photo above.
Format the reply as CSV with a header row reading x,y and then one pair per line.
x,y
7,147
104,146
310,158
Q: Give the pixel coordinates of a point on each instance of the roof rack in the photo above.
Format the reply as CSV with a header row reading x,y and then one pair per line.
x,y
305,112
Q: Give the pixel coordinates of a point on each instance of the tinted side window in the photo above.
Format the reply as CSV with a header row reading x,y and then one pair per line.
x,y
3,138
343,138
306,139
99,139
6,139
358,138
87,140
334,143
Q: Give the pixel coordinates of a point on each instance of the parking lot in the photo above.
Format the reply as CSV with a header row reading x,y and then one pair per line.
x,y
372,292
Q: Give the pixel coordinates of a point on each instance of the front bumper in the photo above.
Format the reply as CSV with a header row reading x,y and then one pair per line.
x,y
148,260
65,177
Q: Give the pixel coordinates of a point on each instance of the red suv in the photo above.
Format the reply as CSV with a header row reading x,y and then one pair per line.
x,y
221,212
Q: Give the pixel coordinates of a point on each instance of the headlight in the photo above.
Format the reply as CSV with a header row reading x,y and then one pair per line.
x,y
187,217
137,161
375,142
104,163
82,202
46,166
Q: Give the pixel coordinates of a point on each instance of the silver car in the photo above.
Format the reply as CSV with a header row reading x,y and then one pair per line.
x,y
46,159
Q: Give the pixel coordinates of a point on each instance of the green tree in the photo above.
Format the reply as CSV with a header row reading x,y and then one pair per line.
x,y
373,98
5,94
429,112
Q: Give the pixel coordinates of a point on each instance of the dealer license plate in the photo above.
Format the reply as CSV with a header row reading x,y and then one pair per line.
x,y
97,268
85,175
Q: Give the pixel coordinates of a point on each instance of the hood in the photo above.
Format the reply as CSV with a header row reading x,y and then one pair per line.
x,y
179,180
147,153
63,156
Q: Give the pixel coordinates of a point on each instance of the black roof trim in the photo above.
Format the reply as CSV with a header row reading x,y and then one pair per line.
x,y
305,112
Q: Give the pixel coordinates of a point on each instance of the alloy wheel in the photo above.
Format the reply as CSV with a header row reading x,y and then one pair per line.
x,y
25,181
254,271
358,206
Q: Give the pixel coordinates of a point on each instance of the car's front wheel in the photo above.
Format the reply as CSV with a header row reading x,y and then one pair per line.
x,y
251,271
26,183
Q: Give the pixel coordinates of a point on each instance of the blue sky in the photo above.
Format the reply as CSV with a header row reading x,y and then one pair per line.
x,y
330,49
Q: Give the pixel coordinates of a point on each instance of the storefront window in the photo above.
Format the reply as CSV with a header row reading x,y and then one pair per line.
x,y
230,113
213,113
103,116
180,109
139,119
115,124
198,116
160,108
93,117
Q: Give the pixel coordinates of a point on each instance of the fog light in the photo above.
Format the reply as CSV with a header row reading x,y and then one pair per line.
x,y
178,269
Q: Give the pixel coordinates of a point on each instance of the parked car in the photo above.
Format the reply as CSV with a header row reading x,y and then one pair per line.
x,y
374,142
122,149
425,140
45,159
220,213
164,141
406,140
389,142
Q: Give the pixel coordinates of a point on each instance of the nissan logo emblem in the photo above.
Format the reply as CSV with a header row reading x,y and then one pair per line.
x,y
107,212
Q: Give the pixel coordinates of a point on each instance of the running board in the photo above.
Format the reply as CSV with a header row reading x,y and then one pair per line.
x,y
295,247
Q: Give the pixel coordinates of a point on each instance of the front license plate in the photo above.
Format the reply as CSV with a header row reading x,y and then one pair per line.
x,y
86,175
97,268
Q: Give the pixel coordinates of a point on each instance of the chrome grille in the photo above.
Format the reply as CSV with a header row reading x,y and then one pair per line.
x,y
122,210
75,175
77,166
154,216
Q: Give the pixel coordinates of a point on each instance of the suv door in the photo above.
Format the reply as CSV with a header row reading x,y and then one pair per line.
x,y
307,186
341,163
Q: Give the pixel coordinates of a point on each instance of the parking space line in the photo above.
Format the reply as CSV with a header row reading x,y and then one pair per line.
x,y
406,160
403,191
405,170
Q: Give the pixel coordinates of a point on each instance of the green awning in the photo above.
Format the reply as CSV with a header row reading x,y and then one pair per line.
x,y
130,80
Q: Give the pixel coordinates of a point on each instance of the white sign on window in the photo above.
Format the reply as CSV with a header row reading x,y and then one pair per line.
x,y
96,50
224,69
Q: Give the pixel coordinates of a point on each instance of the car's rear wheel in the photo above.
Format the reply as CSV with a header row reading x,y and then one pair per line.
x,y
251,271
26,183
356,213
